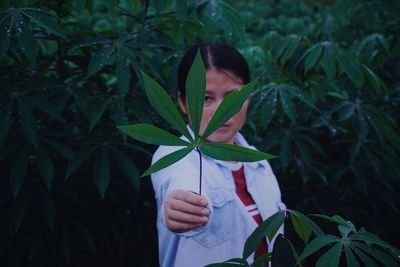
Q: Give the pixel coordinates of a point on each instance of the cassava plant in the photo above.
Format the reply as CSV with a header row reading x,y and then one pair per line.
x,y
195,93
360,248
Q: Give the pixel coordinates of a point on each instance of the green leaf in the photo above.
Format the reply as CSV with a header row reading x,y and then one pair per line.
x,y
283,253
61,149
101,171
268,228
77,160
372,78
312,57
20,209
79,5
331,258
195,92
123,74
127,167
328,61
302,228
286,150
231,105
150,134
44,20
229,152
352,70
314,227
26,40
351,260
336,219
5,118
294,41
268,109
45,165
365,258
97,111
316,244
99,59
5,34
287,104
167,160
18,170
28,122
163,104
370,238
385,258
181,8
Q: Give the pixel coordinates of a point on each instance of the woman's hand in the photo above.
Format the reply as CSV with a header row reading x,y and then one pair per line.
x,y
185,210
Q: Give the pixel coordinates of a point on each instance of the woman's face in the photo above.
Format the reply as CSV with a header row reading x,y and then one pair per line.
x,y
218,85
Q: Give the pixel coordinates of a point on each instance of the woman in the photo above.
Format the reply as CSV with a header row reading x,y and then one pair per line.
x,y
196,230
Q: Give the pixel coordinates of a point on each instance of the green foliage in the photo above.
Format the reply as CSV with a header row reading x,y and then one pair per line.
x,y
350,242
195,94
71,71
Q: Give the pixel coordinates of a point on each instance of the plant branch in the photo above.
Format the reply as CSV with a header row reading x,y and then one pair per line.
x,y
201,169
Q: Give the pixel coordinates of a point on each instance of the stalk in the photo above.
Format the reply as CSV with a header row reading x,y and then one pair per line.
x,y
201,169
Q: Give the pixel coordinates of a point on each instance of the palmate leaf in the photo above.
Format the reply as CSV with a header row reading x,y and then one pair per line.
x,y
331,258
44,20
231,152
231,105
167,160
5,33
268,228
164,105
123,73
384,258
101,171
150,134
283,253
195,92
350,257
302,228
26,39
316,244
45,165
99,59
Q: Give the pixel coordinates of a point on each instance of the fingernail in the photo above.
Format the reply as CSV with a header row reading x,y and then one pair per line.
x,y
205,211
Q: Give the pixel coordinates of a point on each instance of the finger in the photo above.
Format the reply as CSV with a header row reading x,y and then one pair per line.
x,y
190,197
182,217
185,207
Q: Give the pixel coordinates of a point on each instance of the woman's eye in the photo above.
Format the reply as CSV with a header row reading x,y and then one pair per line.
x,y
207,98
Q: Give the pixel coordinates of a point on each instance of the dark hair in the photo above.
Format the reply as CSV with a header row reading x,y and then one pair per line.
x,y
218,56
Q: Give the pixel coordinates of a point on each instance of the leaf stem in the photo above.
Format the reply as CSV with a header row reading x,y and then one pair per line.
x,y
201,169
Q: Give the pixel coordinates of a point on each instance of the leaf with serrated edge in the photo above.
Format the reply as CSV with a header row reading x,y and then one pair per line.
x,y
163,104
150,134
167,160
231,152
195,91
